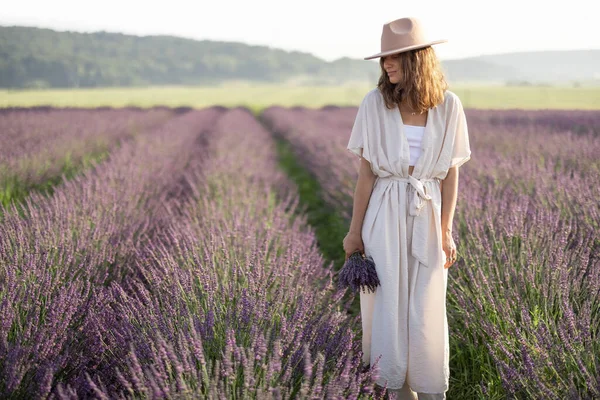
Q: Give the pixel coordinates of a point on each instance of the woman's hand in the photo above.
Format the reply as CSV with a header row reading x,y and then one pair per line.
x,y
353,242
449,248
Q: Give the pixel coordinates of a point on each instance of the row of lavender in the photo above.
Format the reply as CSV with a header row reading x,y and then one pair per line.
x,y
524,297
56,259
41,145
176,268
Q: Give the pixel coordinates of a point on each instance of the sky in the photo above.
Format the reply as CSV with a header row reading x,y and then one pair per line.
x,y
329,29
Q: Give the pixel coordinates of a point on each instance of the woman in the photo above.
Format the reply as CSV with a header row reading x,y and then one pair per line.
x,y
411,136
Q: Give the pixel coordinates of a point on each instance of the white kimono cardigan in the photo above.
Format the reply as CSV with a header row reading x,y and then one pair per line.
x,y
404,322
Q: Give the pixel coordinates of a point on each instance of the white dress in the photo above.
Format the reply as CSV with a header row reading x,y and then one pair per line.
x,y
404,322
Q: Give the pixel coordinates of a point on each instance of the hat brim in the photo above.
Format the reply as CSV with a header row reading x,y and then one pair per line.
x,y
403,49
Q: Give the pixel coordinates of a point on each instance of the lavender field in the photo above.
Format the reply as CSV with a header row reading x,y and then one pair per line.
x,y
181,262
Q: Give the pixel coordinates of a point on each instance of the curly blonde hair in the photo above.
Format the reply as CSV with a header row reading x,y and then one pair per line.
x,y
422,82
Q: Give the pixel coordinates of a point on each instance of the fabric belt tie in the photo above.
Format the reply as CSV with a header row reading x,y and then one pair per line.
x,y
421,225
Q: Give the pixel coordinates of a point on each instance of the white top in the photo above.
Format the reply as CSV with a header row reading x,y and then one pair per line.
x,y
402,232
414,134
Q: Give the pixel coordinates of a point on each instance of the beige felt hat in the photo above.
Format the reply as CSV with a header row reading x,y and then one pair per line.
x,y
403,34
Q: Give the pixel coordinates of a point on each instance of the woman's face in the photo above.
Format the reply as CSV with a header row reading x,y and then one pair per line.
x,y
391,65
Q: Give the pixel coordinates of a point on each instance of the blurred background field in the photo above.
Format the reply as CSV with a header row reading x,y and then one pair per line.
x,y
259,96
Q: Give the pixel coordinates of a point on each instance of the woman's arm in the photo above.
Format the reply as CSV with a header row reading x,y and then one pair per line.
x,y
362,194
449,191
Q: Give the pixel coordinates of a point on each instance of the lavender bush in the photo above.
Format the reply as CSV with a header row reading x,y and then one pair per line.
x,y
524,294
530,277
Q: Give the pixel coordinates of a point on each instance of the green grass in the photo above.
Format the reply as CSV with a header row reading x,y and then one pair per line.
x,y
258,96
330,227
529,97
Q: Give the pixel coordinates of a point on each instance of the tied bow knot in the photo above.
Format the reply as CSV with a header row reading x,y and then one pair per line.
x,y
420,196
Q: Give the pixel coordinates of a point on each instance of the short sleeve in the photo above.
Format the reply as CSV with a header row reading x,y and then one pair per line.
x,y
461,150
358,143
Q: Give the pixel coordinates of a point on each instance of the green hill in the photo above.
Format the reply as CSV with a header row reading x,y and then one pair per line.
x,y
40,58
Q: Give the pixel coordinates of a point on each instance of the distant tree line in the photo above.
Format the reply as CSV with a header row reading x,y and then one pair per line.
x,y
34,57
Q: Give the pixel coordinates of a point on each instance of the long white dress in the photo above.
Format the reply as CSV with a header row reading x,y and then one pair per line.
x,y
404,321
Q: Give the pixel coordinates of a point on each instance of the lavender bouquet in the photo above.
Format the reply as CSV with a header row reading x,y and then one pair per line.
x,y
358,272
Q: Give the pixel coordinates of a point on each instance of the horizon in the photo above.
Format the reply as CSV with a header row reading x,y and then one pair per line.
x,y
336,30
